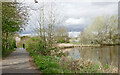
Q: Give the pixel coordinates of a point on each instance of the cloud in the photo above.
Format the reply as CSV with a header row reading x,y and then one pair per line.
x,y
74,21
78,15
75,28
88,9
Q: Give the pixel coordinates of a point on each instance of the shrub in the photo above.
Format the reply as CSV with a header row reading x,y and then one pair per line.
x,y
11,44
61,41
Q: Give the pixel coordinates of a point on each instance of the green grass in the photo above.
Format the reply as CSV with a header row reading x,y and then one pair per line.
x,y
53,63
46,64
50,64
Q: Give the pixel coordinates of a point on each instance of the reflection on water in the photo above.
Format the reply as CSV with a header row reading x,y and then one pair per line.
x,y
106,55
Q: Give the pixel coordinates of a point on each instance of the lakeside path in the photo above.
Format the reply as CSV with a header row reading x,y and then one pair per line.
x,y
18,62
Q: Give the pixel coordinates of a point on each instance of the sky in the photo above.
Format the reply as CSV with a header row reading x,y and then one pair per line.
x,y
77,14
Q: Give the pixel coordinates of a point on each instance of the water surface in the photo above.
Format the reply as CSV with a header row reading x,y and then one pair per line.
x,y
104,55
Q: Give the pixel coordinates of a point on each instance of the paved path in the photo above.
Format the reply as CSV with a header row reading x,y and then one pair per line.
x,y
18,62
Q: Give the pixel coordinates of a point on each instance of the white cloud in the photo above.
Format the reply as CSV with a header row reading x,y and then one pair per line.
x,y
73,21
89,9
77,13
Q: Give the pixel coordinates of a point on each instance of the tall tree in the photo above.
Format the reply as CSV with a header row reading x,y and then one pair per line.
x,y
48,18
14,17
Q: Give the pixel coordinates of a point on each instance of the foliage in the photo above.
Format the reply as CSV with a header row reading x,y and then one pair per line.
x,y
56,64
36,44
103,30
11,44
61,34
48,20
107,66
61,41
14,18
47,64
52,60
23,37
86,66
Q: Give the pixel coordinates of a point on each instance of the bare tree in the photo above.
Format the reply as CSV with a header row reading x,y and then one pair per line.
x,y
48,19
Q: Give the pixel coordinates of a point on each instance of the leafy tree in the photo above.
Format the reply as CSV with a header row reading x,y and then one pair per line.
x,y
14,17
103,30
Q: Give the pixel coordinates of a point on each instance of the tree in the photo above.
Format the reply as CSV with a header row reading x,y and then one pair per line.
x,y
113,29
48,19
103,30
14,17
61,34
0,19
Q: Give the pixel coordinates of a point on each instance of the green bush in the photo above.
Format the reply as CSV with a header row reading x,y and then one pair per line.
x,y
107,66
46,64
38,45
63,41
54,63
11,44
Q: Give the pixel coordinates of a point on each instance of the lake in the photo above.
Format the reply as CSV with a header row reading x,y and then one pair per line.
x,y
104,55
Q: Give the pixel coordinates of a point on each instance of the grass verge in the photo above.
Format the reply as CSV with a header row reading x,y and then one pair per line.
x,y
7,52
47,64
55,64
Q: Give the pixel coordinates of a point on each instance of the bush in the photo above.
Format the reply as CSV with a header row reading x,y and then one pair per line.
x,y
11,44
38,45
46,64
61,41
52,60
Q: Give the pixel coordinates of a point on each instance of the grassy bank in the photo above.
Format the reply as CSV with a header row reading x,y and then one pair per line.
x,y
7,52
47,64
53,60
57,64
